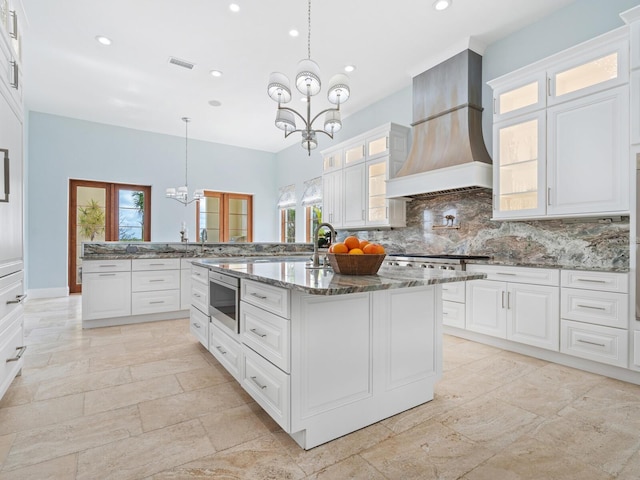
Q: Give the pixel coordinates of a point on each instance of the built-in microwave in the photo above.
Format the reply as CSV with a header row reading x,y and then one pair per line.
x,y
224,302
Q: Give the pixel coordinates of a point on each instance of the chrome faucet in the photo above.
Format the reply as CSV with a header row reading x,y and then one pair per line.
x,y
316,256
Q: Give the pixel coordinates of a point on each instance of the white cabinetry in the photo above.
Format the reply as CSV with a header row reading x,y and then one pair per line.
x,y
519,304
453,304
155,286
185,283
595,316
355,175
560,134
199,302
106,291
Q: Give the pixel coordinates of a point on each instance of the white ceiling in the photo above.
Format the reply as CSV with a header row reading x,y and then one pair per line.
x,y
131,83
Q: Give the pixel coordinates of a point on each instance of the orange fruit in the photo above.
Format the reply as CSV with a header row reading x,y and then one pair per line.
x,y
331,248
356,251
363,243
340,248
374,249
352,242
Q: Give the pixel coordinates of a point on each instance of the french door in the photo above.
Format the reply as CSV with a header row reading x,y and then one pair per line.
x,y
103,211
227,217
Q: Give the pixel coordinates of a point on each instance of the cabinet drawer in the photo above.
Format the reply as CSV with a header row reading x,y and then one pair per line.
x,y
589,280
155,302
535,276
227,351
98,266
200,297
272,299
152,280
453,292
200,274
267,334
594,342
11,292
268,385
600,308
155,264
11,350
199,326
453,314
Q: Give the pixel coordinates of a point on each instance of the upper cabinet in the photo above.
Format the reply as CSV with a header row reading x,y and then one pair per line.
x,y
354,187
561,136
11,28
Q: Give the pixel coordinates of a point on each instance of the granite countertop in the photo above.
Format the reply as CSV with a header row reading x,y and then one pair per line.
x,y
292,273
507,263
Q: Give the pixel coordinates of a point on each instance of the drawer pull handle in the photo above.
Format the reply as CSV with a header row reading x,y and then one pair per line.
x,y
156,280
219,348
592,343
256,332
21,351
197,325
258,383
592,280
106,274
197,295
156,302
107,266
503,299
261,297
18,299
591,307
445,313
506,273
156,264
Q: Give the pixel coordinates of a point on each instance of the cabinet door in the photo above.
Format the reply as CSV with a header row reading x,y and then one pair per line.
x,y
519,97
106,295
185,289
354,195
486,308
332,198
331,160
533,315
11,197
603,67
587,156
377,204
635,106
354,153
519,167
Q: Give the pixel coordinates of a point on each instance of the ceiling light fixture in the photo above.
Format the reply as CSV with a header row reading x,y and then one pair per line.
x,y
181,194
308,83
442,4
349,68
102,40
234,7
293,32
215,73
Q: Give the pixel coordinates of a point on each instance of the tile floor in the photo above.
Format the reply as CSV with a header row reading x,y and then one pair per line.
x,y
148,402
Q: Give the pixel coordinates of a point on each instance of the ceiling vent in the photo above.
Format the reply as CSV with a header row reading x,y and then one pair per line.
x,y
181,63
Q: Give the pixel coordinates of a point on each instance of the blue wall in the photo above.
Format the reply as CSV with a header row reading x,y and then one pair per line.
x,y
61,148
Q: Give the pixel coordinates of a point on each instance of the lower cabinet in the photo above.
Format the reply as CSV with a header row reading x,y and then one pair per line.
x,y
453,304
105,294
595,316
12,347
522,312
227,350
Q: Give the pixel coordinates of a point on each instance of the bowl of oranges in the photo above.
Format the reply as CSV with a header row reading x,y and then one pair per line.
x,y
356,257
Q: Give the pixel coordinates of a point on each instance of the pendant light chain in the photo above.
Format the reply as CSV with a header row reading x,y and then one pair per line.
x,y
309,31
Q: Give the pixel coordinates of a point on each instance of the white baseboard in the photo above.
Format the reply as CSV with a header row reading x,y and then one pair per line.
x,y
47,293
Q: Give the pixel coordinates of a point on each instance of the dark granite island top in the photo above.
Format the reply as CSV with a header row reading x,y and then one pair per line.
x,y
292,273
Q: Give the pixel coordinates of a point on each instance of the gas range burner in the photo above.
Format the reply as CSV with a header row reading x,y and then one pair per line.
x,y
449,257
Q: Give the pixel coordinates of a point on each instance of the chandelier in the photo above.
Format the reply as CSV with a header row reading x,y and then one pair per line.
x,y
181,194
308,83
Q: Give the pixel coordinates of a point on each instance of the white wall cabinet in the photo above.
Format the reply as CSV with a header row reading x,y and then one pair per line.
x,y
560,134
517,309
355,175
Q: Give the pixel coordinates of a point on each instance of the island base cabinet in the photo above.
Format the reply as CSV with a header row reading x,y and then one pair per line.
x,y
11,348
360,358
106,295
227,351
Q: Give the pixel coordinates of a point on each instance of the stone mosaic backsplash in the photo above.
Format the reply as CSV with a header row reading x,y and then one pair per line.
x,y
557,243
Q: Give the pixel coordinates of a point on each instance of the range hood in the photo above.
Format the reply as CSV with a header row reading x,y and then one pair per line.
x,y
448,152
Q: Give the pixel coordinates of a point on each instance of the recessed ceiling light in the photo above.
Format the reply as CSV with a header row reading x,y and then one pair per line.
x,y
293,32
215,73
215,103
102,40
349,68
442,4
234,7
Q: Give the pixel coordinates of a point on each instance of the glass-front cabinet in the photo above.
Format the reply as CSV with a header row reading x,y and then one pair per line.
x,y
559,134
519,166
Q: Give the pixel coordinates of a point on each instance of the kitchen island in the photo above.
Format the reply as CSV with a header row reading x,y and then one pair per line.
x,y
327,354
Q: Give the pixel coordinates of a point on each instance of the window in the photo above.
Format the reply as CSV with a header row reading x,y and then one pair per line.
x,y
287,206
312,201
102,211
226,217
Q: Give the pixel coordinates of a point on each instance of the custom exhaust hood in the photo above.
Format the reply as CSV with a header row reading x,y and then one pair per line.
x,y
448,152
